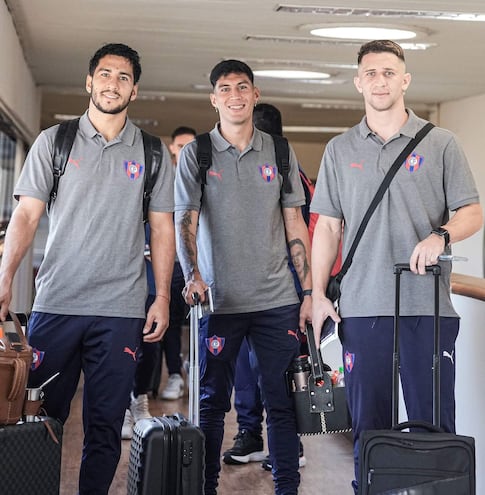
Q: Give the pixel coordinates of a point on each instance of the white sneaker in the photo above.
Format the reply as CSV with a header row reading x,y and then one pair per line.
x,y
127,429
175,387
139,407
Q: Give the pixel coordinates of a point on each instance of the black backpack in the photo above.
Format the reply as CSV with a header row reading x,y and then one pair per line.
x,y
282,152
64,140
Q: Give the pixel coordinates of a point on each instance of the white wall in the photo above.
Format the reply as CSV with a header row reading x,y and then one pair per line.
x,y
19,97
470,378
466,118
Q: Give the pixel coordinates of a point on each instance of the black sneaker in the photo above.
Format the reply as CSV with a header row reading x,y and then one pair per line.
x,y
267,466
247,448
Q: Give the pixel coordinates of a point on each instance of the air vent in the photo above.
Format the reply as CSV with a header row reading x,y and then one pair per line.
x,y
328,42
308,41
387,13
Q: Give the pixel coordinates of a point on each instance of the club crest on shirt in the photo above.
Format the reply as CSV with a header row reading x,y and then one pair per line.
x,y
268,172
215,344
133,169
413,162
38,357
349,359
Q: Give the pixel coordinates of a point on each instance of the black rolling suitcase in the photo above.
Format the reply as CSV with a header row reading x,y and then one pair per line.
x,y
31,458
429,462
167,453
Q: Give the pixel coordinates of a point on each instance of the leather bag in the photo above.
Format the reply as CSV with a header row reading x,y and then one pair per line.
x,y
15,361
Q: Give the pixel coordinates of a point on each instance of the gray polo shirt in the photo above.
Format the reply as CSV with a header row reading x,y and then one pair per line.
x,y
93,262
435,178
241,243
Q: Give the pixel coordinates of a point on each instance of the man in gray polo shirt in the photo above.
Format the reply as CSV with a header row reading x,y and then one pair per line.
x,y
89,310
411,224
232,237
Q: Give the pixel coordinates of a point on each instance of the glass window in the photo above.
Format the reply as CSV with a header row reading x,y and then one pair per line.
x,y
7,164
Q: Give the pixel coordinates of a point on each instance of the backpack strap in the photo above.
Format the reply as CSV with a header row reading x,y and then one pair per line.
x,y
282,152
204,156
66,133
153,159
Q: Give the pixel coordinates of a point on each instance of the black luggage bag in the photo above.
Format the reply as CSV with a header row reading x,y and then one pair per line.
x,y
429,462
31,458
167,453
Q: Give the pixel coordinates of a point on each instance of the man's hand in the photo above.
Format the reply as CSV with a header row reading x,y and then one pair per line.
x,y
158,314
194,287
323,308
305,313
5,299
426,253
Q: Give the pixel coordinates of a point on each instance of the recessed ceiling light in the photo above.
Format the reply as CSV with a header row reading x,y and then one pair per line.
x,y
291,74
363,33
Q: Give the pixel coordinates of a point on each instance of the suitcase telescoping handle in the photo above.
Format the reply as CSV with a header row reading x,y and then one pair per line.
x,y
194,370
399,268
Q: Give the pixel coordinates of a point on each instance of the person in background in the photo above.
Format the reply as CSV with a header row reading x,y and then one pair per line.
x,y
233,238
170,345
89,310
248,442
412,224
148,371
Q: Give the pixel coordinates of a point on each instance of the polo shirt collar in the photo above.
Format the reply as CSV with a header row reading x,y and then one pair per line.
x,y
409,129
221,144
127,134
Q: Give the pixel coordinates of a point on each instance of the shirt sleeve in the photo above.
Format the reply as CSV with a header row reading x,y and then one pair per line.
x,y
36,178
162,199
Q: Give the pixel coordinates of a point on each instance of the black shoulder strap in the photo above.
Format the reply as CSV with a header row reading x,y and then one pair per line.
x,y
380,193
66,133
282,152
204,155
153,160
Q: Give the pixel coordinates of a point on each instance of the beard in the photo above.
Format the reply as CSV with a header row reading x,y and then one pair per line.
x,y
111,110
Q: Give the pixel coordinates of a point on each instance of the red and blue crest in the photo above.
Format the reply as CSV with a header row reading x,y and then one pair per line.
x,y
413,162
38,357
349,359
133,169
215,344
268,172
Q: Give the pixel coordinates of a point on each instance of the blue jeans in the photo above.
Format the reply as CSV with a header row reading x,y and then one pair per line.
x,y
271,335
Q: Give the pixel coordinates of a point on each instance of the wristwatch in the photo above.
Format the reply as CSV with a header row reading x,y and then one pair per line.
x,y
442,233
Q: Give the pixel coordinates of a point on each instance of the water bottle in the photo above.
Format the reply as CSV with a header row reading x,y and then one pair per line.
x,y
301,370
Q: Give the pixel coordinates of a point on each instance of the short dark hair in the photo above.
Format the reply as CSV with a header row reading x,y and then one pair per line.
x,y
183,130
267,118
380,46
227,67
120,50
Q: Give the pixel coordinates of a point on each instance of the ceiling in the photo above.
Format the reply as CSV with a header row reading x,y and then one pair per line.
x,y
181,40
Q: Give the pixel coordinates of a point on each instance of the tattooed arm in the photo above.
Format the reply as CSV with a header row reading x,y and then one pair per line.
x,y
299,245
186,234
